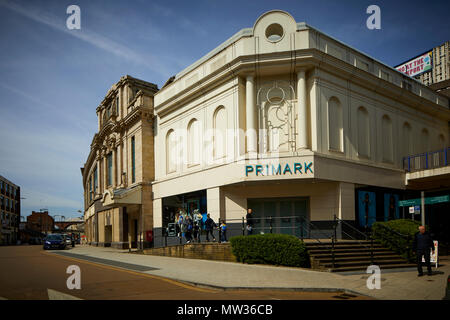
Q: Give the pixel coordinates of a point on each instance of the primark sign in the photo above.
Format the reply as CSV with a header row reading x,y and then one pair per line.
x,y
286,169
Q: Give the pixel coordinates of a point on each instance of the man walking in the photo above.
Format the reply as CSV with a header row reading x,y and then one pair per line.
x,y
249,218
421,246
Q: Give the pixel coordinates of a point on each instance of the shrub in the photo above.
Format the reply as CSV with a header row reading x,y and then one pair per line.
x,y
395,242
276,249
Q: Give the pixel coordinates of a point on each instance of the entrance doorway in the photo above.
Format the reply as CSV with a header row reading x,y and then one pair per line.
x,y
108,235
284,215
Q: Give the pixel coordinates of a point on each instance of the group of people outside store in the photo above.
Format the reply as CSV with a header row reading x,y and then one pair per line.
x,y
190,226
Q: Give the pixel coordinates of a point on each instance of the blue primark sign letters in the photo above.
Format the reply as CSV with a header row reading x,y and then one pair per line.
x,y
271,169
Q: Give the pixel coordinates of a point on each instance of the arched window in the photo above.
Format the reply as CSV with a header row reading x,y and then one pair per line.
x,y
171,165
407,140
335,125
220,129
441,140
424,140
193,142
386,132
363,132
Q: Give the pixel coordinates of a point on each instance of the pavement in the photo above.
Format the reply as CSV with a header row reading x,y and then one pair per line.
x,y
400,284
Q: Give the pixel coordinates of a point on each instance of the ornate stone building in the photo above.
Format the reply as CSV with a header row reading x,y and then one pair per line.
x,y
294,124
119,170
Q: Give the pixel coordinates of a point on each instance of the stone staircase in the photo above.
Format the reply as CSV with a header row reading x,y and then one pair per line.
x,y
352,256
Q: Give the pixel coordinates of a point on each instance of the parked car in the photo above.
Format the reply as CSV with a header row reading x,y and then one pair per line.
x,y
68,239
54,241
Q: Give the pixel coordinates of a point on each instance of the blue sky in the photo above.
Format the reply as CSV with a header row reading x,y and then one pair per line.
x,y
52,79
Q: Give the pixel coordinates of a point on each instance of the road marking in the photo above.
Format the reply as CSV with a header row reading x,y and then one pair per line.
x,y
174,282
56,295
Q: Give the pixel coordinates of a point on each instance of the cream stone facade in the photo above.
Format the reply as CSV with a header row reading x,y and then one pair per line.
x,y
283,118
119,170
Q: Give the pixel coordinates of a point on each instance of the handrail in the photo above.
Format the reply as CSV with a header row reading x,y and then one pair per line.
x,y
361,243
352,227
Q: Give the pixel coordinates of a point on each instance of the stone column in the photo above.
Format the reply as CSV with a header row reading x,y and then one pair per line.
x,y
214,203
250,115
302,123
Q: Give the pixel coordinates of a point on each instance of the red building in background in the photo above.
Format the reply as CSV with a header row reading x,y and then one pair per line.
x,y
40,222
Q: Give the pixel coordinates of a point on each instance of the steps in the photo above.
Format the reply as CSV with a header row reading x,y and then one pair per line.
x,y
352,256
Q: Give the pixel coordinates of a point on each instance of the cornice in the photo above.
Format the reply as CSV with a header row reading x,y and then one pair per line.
x,y
304,59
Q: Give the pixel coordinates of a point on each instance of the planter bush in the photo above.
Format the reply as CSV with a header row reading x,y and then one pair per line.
x,y
395,242
275,249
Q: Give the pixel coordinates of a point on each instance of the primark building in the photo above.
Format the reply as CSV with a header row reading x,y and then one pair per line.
x,y
301,128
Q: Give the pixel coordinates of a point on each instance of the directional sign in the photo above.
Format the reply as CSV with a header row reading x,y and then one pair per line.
x,y
417,202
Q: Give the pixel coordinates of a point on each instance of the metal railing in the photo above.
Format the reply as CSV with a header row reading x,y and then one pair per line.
x,y
366,236
427,160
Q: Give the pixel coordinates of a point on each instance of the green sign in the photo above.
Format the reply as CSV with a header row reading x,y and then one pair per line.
x,y
418,202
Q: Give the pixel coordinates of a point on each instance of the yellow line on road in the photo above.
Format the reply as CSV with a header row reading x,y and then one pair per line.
x,y
174,282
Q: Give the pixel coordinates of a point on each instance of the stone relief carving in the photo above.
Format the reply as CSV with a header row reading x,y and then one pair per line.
x,y
276,116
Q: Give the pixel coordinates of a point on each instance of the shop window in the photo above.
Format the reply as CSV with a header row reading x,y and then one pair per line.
x,y
335,125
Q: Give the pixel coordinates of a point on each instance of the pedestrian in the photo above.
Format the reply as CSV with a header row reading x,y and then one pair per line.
x,y
223,229
421,246
249,218
196,231
209,227
189,228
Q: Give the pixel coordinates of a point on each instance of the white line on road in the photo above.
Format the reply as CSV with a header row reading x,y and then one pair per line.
x,y
56,295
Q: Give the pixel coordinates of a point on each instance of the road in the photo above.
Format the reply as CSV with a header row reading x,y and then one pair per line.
x,y
29,272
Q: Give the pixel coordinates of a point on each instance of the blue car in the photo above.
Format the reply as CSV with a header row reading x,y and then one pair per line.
x,y
54,241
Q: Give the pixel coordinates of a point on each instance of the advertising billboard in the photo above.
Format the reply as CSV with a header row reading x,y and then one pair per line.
x,y
416,66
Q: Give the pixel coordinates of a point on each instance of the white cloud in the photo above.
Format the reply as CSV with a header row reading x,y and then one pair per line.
x,y
90,37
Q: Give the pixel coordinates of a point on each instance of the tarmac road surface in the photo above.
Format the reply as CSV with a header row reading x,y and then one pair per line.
x,y
30,273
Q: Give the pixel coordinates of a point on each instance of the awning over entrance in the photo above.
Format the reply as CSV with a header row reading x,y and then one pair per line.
x,y
122,196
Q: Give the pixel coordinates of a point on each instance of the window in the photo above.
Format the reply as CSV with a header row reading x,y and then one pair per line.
x,y
424,140
363,133
133,160
335,125
274,32
386,132
407,141
171,152
95,181
109,166
193,142
90,189
117,105
220,127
